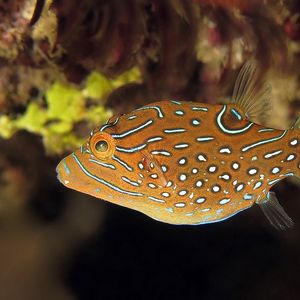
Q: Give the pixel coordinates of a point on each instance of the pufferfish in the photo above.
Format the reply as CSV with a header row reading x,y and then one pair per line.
x,y
188,162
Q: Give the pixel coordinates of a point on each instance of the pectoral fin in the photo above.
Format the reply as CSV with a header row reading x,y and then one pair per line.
x,y
154,169
275,212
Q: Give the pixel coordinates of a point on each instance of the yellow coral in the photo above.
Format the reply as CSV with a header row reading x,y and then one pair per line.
x,y
66,106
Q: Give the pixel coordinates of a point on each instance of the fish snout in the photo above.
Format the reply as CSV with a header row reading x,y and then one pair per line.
x,y
63,172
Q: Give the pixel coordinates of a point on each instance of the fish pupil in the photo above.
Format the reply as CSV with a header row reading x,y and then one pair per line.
x,y
101,146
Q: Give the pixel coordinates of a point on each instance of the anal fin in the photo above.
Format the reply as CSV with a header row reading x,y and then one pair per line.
x,y
275,212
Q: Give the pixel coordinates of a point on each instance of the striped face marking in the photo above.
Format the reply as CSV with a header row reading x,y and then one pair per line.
x,y
182,162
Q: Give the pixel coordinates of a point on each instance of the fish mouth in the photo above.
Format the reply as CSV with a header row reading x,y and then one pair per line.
x,y
63,172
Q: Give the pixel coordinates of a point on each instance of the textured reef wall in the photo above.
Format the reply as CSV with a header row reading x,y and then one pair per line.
x,y
95,57
67,66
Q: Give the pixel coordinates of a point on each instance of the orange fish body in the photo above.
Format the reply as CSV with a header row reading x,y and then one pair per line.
x,y
185,163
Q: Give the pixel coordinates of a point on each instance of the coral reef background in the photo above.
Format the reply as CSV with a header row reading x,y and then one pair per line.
x,y
66,67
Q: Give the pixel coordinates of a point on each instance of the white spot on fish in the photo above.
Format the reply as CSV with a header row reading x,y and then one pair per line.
x,y
181,146
290,157
180,204
257,185
152,185
205,209
248,196
169,184
201,157
195,122
240,187
182,161
200,200
224,201
191,195
164,168
165,194
216,188
182,192
179,112
275,170
195,170
225,176
294,142
225,150
252,171
271,154
199,183
235,165
182,177
212,169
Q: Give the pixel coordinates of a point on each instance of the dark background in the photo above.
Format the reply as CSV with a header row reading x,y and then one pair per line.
x,y
60,244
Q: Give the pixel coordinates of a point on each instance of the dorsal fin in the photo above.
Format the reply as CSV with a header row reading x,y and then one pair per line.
x,y
251,94
296,125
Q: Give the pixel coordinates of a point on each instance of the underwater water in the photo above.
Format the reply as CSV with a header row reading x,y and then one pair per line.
x,y
69,66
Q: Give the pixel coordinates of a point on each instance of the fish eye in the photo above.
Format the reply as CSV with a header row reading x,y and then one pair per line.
x,y
102,145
